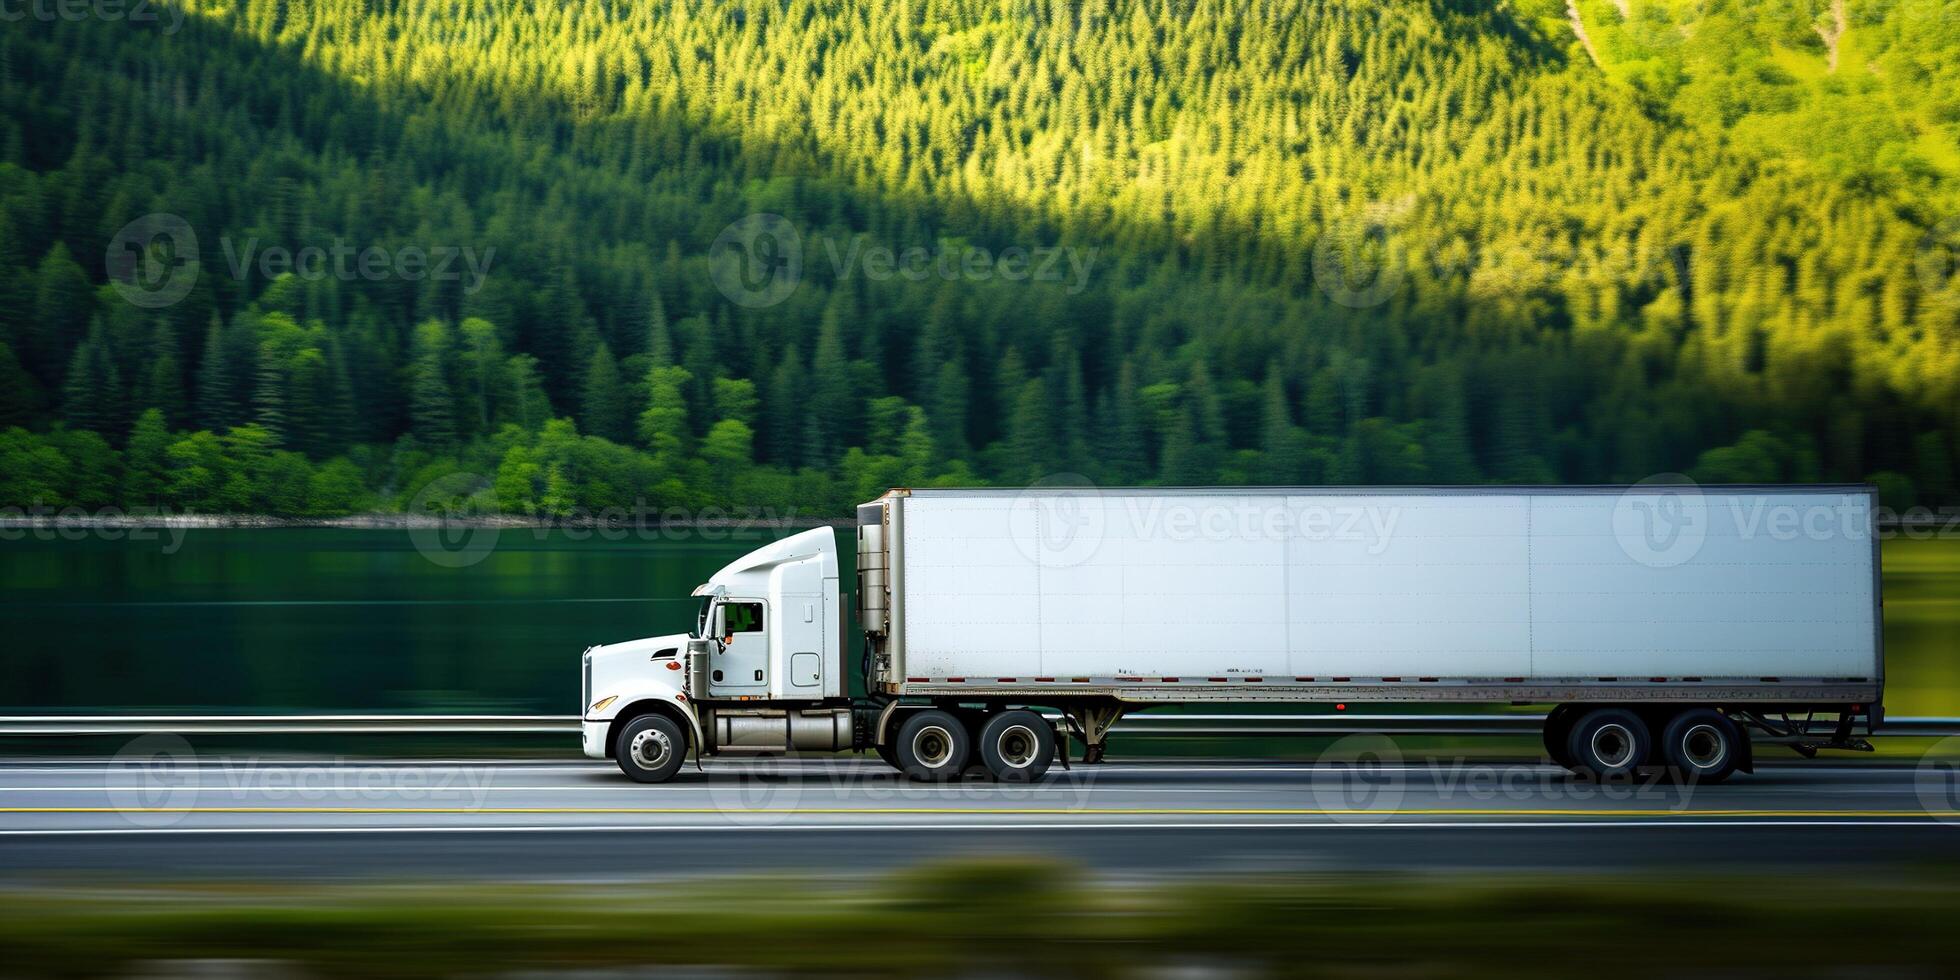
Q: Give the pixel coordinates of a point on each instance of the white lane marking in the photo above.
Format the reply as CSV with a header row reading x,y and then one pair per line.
x,y
842,791
938,827
1110,771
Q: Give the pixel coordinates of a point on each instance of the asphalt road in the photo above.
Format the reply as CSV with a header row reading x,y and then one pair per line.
x,y
284,819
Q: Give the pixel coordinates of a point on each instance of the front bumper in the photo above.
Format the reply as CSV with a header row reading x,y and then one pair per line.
x,y
593,736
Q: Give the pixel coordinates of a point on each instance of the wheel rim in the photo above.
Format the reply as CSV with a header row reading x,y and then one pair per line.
x,y
651,748
1017,746
1704,747
1612,745
932,746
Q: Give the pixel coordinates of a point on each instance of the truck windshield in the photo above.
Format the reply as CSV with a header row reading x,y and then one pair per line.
x,y
701,617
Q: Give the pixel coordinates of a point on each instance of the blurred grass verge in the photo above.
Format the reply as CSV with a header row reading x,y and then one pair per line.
x,y
1015,917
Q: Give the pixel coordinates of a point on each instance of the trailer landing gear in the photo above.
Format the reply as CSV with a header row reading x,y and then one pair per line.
x,y
1092,724
1798,732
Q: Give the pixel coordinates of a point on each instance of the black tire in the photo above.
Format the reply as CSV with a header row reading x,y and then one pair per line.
x,y
1558,732
932,747
1609,743
1701,745
1017,746
885,754
650,748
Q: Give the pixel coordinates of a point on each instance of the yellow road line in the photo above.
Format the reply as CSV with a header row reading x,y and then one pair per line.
x,y
987,811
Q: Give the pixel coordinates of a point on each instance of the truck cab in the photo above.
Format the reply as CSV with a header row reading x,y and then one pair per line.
x,y
762,670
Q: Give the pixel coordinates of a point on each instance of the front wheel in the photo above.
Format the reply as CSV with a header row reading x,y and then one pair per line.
x,y
650,748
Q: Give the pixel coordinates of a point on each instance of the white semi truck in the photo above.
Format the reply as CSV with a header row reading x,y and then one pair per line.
x,y
1658,624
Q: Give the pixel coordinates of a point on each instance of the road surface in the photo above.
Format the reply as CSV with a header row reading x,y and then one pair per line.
x,y
245,817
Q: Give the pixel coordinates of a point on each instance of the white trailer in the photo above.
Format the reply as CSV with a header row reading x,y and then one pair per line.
x,y
1657,622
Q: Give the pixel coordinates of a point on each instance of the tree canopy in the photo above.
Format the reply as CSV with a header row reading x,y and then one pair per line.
x,y
1287,242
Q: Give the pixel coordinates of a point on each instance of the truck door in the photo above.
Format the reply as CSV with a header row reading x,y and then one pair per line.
x,y
742,664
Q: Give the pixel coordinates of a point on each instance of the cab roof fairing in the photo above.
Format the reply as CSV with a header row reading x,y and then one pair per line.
x,y
819,543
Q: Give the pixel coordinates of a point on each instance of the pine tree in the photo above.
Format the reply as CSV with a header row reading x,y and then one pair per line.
x,y
1125,454
1283,443
163,383
432,402
603,410
21,400
63,300
146,460
217,400
832,398
784,412
664,425
92,397
269,395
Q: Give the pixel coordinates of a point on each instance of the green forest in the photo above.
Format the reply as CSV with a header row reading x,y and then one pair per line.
x,y
1314,242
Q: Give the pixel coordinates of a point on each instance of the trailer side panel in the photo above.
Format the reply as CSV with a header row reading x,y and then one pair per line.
x,y
1490,592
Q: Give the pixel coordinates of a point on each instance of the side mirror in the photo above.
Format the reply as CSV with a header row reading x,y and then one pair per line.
x,y
715,623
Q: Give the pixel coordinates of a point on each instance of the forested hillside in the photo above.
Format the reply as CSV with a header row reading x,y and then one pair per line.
x,y
1305,241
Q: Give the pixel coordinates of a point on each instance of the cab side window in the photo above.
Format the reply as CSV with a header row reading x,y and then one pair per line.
x,y
742,617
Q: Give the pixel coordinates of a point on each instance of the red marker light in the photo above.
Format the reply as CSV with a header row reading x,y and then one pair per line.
x,y
1340,707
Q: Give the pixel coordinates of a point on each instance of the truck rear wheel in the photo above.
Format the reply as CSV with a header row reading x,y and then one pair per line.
x,y
1017,746
1609,742
1558,733
932,747
1701,745
650,748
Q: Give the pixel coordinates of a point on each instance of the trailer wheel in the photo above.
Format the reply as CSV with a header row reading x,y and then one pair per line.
x,y
1017,746
1609,742
932,747
1558,733
1701,745
650,748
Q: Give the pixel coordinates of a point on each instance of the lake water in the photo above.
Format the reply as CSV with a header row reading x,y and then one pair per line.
x,y
327,619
